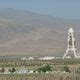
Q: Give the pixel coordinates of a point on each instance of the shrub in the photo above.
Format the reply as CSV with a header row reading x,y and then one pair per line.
x,y
2,70
13,70
45,68
66,69
78,70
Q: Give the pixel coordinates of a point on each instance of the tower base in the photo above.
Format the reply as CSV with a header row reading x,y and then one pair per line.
x,y
73,50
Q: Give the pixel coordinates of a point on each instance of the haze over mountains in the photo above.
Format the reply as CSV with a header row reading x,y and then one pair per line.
x,y
28,33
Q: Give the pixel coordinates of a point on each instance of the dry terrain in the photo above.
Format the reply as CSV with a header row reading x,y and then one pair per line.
x,y
28,33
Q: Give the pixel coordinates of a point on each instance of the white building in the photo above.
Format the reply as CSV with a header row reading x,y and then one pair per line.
x,y
21,72
58,57
47,58
23,58
68,57
24,71
31,58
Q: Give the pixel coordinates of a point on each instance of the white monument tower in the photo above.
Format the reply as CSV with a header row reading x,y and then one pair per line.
x,y
71,44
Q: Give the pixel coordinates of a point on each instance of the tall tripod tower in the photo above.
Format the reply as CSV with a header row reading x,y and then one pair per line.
x,y
71,44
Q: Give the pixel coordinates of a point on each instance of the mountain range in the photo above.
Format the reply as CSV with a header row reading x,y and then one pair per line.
x,y
33,34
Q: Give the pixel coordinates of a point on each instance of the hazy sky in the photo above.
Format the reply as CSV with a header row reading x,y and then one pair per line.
x,y
69,9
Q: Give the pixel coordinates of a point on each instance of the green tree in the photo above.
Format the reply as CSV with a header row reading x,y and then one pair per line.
x,y
2,70
45,68
66,69
13,70
78,69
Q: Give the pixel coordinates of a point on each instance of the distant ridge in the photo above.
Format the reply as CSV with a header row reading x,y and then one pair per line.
x,y
29,33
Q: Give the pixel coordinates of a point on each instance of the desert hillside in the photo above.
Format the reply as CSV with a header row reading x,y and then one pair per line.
x,y
28,33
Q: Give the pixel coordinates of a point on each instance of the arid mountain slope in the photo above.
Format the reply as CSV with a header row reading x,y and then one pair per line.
x,y
28,33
